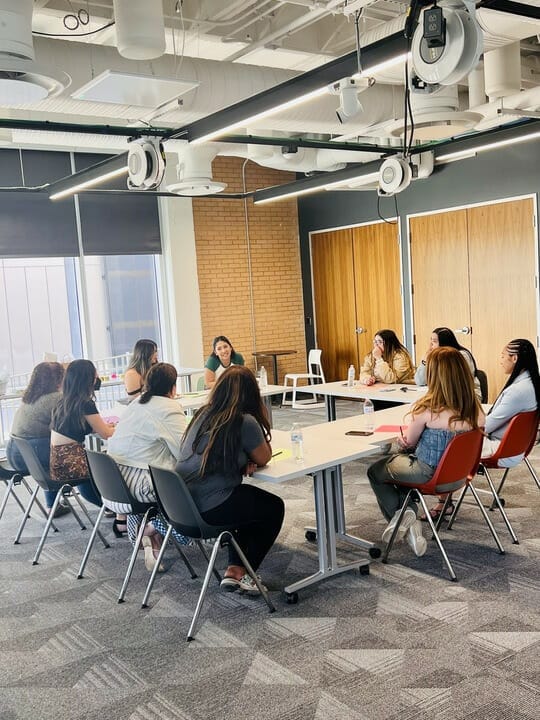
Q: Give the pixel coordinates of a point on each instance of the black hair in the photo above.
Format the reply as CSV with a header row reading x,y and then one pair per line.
x,y
447,338
77,389
526,360
160,381
221,338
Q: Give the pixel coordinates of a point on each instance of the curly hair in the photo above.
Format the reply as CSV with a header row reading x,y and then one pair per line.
x,y
46,378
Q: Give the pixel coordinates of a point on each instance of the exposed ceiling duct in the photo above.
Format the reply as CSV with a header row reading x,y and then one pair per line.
x,y
140,28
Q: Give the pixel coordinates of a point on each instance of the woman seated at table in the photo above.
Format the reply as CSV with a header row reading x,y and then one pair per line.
x,y
388,362
145,355
521,393
74,417
449,407
230,437
32,422
149,433
223,356
444,337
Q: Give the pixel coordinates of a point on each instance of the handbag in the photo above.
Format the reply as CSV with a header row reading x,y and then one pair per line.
x,y
69,463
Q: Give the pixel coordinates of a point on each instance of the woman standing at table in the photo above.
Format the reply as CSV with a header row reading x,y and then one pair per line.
x,y
449,407
32,422
145,354
228,438
444,337
149,433
74,417
223,356
388,362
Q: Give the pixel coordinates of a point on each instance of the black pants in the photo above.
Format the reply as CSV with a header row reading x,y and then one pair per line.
x,y
255,515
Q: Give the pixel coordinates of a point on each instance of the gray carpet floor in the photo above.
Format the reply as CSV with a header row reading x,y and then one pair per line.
x,y
401,643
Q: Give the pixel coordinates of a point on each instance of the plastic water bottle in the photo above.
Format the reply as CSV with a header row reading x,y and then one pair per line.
x,y
350,376
297,442
369,420
263,378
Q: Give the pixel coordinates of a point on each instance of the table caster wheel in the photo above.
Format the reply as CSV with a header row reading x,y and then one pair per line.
x,y
363,569
291,598
374,552
311,536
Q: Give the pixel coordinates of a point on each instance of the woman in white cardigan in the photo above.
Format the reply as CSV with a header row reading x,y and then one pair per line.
x,y
149,433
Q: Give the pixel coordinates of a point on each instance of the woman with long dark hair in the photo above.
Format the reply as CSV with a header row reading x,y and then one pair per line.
x,y
449,407
145,354
149,433
74,417
228,438
388,362
444,337
520,393
32,421
223,356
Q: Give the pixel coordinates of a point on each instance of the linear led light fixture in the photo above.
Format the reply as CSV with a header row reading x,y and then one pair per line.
x,y
294,102
89,177
462,154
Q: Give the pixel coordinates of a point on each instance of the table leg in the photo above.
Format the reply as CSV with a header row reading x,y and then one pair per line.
x,y
274,358
330,403
187,380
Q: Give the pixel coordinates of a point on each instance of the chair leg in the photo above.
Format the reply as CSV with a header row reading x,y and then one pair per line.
x,y
386,552
156,567
251,572
531,470
90,542
49,523
501,509
503,479
77,497
71,494
133,557
39,504
206,581
26,515
188,565
486,517
10,491
437,538
207,558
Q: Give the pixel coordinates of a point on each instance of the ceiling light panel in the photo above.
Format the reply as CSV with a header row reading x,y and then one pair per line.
x,y
132,89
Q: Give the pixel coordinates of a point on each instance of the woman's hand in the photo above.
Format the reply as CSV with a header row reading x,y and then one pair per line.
x,y
369,380
377,352
250,468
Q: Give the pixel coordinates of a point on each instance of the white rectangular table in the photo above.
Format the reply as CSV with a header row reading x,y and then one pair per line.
x,y
326,449
195,400
380,391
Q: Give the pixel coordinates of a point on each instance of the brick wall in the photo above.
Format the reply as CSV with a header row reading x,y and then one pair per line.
x,y
223,265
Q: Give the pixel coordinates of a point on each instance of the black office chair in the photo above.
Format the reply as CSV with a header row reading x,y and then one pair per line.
x,y
66,490
482,379
112,487
12,478
179,510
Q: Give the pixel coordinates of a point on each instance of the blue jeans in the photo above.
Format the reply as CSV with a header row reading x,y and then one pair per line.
x,y
42,448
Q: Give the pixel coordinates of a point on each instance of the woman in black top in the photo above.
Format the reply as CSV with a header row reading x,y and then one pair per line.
x,y
74,417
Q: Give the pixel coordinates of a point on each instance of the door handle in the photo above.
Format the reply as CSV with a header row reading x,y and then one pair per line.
x,y
465,330
360,330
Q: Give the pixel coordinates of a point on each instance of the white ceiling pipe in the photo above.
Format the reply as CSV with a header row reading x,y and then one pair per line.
x,y
16,28
525,100
477,87
140,28
502,69
501,28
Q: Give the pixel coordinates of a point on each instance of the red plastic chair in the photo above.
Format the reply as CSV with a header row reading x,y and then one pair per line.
x,y
455,470
519,439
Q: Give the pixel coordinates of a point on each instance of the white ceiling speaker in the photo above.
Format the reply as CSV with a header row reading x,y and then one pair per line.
x,y
21,81
458,51
146,164
140,28
194,172
395,175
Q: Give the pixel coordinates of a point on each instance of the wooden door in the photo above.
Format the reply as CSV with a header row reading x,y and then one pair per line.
x,y
502,268
378,282
333,294
440,276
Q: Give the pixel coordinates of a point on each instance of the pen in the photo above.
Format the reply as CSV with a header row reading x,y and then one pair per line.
x,y
401,431
279,452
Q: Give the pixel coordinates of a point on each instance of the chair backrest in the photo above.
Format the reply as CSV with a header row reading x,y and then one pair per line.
x,y
177,505
315,364
200,384
482,379
108,479
32,462
519,437
457,465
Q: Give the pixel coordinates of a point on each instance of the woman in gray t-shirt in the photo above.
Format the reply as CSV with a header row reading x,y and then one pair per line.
x,y
228,438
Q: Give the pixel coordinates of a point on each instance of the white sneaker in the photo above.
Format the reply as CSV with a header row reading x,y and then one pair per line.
x,y
409,518
416,540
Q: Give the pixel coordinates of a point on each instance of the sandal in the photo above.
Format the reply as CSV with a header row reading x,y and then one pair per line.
x,y
435,514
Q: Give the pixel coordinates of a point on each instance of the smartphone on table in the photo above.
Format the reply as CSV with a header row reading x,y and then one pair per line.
x,y
362,433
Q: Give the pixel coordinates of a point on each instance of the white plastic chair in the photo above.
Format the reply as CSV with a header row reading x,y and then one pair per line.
x,y
314,375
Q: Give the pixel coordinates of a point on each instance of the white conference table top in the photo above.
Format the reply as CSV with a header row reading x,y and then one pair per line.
x,y
327,445
195,400
379,391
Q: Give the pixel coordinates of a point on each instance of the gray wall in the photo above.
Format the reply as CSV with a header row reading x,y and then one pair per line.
x,y
494,175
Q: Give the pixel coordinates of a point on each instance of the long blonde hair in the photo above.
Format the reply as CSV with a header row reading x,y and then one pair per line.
x,y
450,387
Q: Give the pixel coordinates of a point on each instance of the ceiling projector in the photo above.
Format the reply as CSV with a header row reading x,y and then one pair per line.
x,y
146,164
395,174
446,44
